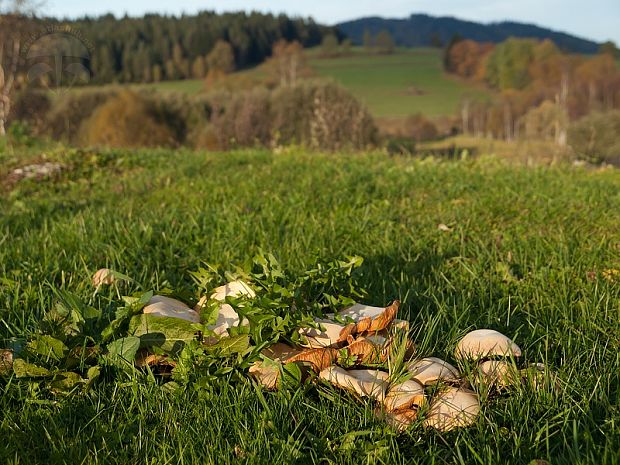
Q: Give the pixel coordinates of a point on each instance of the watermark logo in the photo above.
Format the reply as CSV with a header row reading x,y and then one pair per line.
x,y
58,58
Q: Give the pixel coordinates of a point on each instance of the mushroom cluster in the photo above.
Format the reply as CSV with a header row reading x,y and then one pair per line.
x,y
355,350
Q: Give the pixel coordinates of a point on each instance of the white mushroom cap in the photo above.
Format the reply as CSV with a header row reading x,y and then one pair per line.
x,y
359,311
432,369
226,318
326,337
232,289
485,343
404,396
161,306
498,373
365,383
104,276
453,408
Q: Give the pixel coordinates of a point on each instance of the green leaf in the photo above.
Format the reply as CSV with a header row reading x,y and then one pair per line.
x,y
124,349
291,376
66,381
92,374
23,369
124,314
171,334
231,345
48,347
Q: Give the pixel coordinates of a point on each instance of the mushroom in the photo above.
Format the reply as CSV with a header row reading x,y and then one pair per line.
x,y
399,420
162,306
483,343
226,318
431,370
367,351
453,408
329,334
144,358
404,396
318,358
6,362
267,372
104,276
500,373
233,289
369,318
365,383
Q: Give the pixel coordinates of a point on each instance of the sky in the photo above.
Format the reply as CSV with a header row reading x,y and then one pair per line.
x,y
598,20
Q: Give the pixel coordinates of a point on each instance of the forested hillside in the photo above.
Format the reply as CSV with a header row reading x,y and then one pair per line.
x,y
423,30
155,47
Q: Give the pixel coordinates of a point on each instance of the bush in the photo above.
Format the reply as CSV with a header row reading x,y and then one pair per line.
x,y
127,120
596,137
30,106
419,128
323,116
318,115
71,109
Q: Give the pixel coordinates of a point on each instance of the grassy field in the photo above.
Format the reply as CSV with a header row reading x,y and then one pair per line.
x,y
407,82
155,215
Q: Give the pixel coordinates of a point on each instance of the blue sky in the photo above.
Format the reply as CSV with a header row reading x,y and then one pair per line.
x,y
593,19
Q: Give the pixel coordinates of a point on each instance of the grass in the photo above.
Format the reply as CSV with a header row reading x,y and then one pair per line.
x,y
392,86
155,215
407,82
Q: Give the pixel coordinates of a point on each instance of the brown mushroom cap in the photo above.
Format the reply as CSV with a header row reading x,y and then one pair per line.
x,y
399,420
280,352
369,318
102,277
318,358
268,375
365,383
404,396
431,370
367,351
232,289
453,408
486,343
162,306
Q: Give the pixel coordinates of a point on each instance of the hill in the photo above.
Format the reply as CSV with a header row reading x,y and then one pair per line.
x,y
424,30
407,82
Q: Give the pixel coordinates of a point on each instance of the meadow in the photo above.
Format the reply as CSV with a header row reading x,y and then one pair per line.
x,y
391,86
526,251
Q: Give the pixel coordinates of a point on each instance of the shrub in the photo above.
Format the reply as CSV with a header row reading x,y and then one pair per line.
x,y
318,115
322,115
420,128
596,137
31,106
127,120
71,109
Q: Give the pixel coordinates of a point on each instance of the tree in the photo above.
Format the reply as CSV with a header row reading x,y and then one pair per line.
x,y
507,66
609,48
199,68
368,42
385,43
221,58
346,46
288,62
15,23
329,46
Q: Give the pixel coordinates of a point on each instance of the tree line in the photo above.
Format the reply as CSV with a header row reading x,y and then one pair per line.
x,y
540,89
